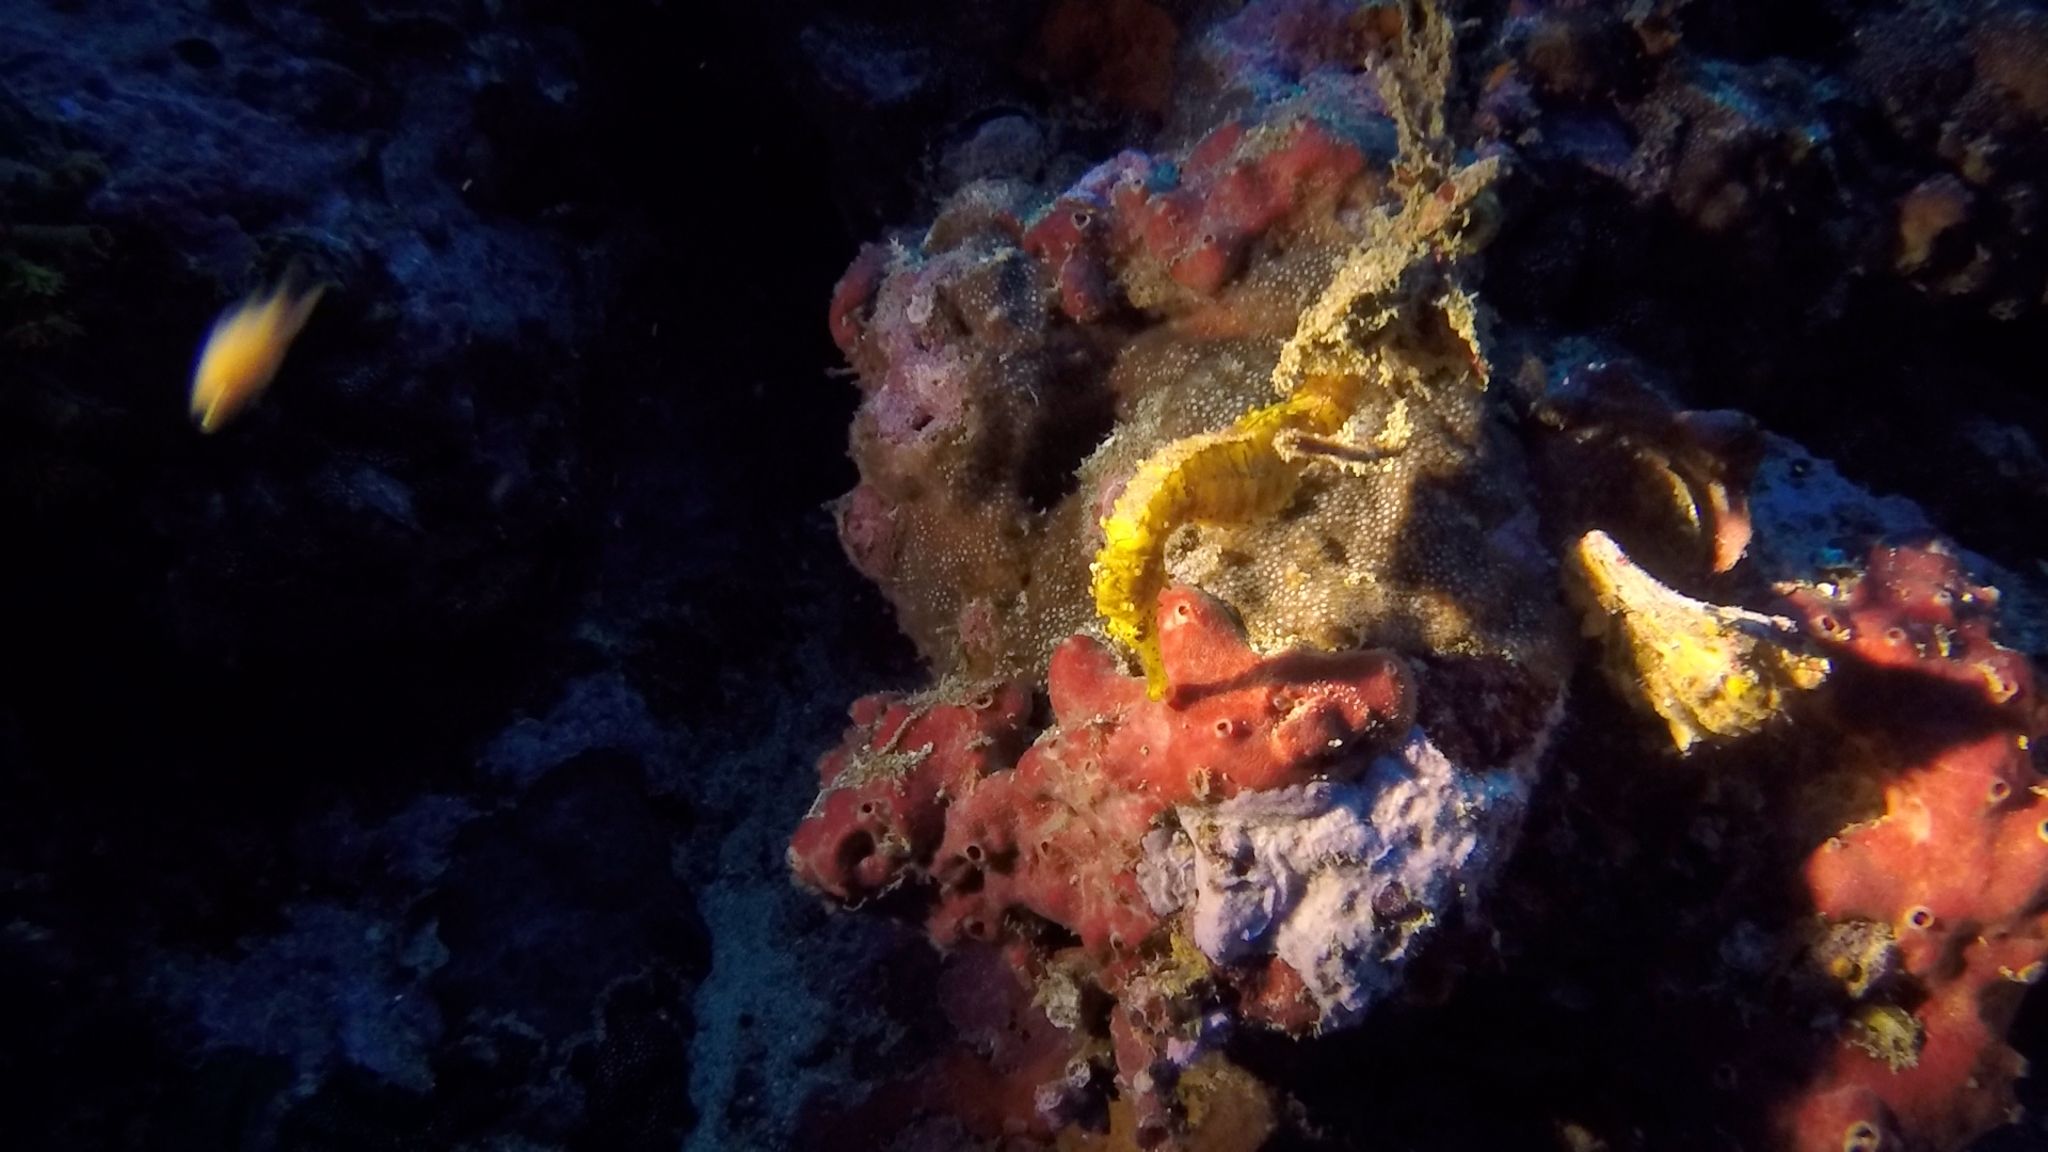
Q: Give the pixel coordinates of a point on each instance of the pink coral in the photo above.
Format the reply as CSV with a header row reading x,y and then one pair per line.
x,y
1914,611
853,297
887,785
937,792
1072,237
868,531
924,789
1133,219
1060,836
1956,868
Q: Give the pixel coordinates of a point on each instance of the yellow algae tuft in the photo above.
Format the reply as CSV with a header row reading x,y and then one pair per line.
x,y
245,349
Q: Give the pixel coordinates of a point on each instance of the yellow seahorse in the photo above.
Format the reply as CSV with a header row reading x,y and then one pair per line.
x,y
1252,469
1234,476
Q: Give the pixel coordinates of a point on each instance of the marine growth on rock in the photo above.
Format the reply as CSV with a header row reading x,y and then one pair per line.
x,y
1218,446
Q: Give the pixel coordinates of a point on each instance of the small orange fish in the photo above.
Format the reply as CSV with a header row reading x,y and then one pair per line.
x,y
245,350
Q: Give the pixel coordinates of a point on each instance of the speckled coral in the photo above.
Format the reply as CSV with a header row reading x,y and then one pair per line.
x,y
1243,474
1323,514
1030,849
1954,870
936,791
1413,523
997,351
1256,359
1929,907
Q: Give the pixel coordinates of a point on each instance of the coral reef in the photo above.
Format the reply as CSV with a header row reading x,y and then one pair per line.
x,y
1251,370
1929,910
1083,796
414,764
1279,814
46,243
984,393
1244,369
1952,874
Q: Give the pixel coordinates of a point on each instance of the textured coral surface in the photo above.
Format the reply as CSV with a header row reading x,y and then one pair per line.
x,y
1024,849
1954,869
1249,354
1056,831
